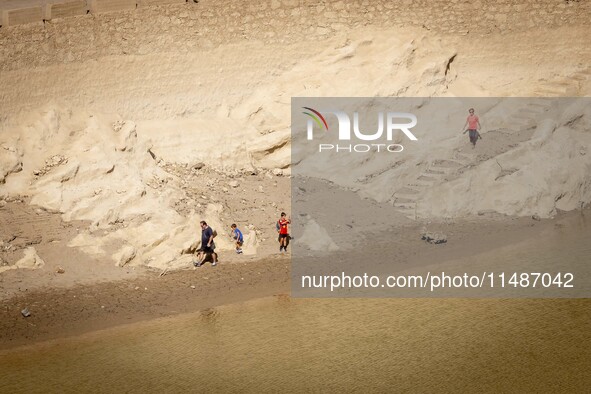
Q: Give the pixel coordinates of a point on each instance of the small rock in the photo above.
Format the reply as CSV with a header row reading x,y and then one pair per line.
x,y
535,216
60,270
192,286
25,312
434,238
277,171
198,166
233,184
30,259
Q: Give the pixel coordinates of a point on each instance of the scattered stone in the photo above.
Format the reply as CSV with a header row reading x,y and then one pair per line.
x,y
30,259
535,216
192,286
198,166
118,125
277,172
124,256
25,312
434,238
233,184
53,161
60,270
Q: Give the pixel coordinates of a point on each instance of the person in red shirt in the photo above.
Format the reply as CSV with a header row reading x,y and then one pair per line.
x,y
283,232
473,124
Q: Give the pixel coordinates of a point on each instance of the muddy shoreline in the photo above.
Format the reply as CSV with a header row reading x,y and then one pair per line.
x,y
61,312
64,312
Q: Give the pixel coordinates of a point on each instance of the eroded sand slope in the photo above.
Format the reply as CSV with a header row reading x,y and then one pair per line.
x,y
141,143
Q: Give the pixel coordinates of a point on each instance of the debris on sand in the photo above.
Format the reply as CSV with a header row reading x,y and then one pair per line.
x,y
434,238
25,312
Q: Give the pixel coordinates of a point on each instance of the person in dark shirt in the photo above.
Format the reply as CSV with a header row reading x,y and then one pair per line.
x,y
207,249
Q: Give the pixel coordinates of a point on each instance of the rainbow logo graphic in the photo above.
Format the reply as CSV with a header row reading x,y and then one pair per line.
x,y
317,116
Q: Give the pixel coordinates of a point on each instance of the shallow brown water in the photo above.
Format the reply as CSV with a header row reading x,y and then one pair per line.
x,y
282,344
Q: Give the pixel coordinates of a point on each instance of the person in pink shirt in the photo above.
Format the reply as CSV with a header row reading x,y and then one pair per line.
x,y
473,124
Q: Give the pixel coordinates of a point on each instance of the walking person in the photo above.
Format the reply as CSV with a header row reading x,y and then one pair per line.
x,y
207,249
283,232
473,124
237,235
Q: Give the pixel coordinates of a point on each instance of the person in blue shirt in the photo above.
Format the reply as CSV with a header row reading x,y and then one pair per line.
x,y
237,235
207,250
